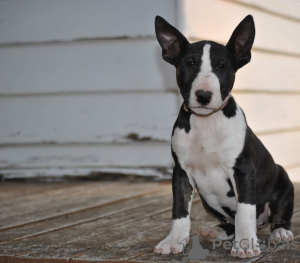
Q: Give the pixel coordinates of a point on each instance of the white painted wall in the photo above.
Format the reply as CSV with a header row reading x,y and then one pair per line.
x,y
83,87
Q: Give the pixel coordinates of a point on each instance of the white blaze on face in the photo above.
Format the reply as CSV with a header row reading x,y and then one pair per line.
x,y
208,81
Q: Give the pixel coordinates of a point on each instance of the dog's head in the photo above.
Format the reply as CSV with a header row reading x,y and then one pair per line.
x,y
205,70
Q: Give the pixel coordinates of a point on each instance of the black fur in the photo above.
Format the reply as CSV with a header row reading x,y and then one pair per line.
x,y
260,180
182,193
230,109
230,193
185,74
241,41
229,228
182,189
183,121
212,211
228,211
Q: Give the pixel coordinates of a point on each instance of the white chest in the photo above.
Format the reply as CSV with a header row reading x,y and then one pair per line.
x,y
208,152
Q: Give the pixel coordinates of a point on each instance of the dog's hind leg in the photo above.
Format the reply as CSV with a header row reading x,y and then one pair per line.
x,y
221,231
281,207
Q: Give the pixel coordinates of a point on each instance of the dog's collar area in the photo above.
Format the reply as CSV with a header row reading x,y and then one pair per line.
x,y
206,115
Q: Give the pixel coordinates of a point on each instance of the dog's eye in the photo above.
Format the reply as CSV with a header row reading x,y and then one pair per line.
x,y
221,66
190,64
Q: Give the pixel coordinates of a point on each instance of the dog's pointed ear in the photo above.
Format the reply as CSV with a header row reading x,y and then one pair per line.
x,y
170,39
241,41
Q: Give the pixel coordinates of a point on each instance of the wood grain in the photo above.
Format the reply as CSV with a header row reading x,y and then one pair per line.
x,y
123,231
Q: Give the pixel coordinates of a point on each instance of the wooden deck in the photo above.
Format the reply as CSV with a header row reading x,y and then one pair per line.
x,y
104,222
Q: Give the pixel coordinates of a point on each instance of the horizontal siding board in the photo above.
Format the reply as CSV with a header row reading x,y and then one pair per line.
x,y
270,113
122,65
90,118
61,20
287,8
270,72
112,117
272,32
285,147
294,174
117,65
75,159
86,156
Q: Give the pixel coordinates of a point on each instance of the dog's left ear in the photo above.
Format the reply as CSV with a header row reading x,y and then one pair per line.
x,y
170,39
241,41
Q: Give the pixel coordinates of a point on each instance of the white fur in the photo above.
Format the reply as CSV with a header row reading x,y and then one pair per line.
x,y
245,232
208,152
179,234
281,235
208,81
177,238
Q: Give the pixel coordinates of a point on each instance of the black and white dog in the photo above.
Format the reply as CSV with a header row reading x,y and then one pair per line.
x,y
216,152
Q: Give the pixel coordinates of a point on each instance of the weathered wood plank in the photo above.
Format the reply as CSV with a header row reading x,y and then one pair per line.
x,y
61,160
26,22
146,242
108,215
93,246
42,191
221,254
11,190
128,235
48,207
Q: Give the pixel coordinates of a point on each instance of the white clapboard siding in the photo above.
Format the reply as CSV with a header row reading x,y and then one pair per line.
x,y
216,20
72,159
269,72
266,113
284,147
294,173
110,118
87,118
287,8
61,20
83,87
119,65
112,65
79,156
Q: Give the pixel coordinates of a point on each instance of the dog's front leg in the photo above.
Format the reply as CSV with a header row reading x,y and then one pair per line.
x,y
178,237
246,242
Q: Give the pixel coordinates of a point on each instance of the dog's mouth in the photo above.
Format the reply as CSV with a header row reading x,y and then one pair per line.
x,y
202,107
202,110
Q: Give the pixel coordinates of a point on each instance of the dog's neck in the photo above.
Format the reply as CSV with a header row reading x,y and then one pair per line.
x,y
206,115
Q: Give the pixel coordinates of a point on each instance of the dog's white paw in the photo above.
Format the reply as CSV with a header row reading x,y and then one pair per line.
x,y
172,244
213,232
245,247
281,234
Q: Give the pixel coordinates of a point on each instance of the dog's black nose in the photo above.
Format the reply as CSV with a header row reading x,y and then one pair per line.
x,y
203,96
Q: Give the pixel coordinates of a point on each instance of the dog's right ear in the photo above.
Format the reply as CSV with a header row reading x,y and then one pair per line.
x,y
170,39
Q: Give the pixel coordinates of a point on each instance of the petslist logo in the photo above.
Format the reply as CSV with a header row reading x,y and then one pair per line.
x,y
198,252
